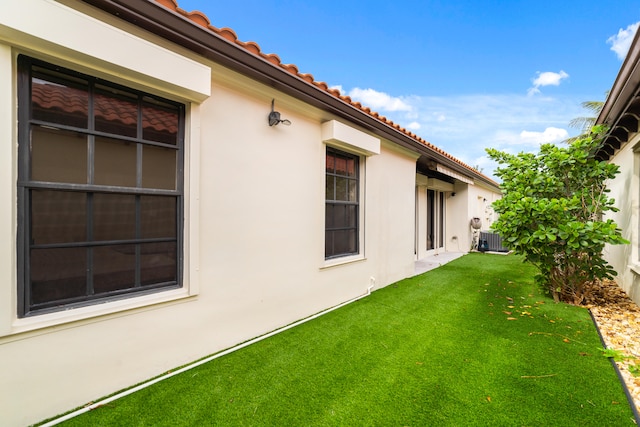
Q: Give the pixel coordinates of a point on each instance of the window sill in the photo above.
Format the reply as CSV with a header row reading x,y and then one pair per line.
x,y
635,269
97,312
334,262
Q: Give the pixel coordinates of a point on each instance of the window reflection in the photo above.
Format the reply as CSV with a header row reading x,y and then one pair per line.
x,y
58,156
159,121
115,162
330,164
115,111
58,98
341,188
159,167
330,187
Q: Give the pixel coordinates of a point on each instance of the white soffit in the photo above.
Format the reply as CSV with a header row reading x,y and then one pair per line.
x,y
34,24
453,174
343,136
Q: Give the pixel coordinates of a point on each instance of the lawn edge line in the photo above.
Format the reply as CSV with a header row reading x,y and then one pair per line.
x,y
632,403
149,383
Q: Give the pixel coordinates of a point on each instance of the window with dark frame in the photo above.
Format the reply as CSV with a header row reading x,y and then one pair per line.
x,y
100,189
341,204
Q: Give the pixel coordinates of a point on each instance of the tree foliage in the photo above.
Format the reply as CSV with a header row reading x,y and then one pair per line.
x,y
551,212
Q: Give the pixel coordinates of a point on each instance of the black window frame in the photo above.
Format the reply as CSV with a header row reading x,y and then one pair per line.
x,y
26,186
351,207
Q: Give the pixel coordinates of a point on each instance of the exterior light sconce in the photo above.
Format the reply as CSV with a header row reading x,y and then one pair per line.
x,y
274,117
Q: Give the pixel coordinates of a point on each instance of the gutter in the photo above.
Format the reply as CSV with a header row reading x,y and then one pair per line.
x,y
152,16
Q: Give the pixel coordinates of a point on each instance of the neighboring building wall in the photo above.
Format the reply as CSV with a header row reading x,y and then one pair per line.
x,y
621,146
625,190
254,225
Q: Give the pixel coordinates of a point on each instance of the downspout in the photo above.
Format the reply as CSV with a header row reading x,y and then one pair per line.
x,y
200,362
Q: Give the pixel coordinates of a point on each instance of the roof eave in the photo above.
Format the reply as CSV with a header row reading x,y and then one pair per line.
x,y
621,109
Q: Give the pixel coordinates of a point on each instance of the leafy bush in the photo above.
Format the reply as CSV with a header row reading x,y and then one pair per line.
x,y
551,212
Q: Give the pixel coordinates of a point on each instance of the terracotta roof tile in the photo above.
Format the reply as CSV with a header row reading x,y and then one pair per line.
x,y
68,100
201,19
274,59
307,77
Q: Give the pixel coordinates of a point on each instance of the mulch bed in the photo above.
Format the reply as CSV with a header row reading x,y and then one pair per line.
x,y
618,319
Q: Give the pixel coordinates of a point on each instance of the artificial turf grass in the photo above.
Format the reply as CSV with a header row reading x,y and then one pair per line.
x,y
471,343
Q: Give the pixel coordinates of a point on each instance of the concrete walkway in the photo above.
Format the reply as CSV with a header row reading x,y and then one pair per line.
x,y
429,263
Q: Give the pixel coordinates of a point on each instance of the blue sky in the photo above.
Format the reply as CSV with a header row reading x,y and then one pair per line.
x,y
464,75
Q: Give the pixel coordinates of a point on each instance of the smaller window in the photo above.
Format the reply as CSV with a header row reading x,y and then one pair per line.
x,y
341,204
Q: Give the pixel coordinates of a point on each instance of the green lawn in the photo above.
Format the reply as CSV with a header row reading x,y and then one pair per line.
x,y
473,342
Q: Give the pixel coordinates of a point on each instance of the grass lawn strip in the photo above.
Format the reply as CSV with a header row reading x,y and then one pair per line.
x,y
473,342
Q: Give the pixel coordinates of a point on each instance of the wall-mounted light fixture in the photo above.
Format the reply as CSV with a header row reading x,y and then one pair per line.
x,y
274,117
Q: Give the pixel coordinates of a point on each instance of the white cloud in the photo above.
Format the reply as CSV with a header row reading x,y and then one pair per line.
x,y
526,140
465,125
621,42
379,101
549,135
547,78
512,123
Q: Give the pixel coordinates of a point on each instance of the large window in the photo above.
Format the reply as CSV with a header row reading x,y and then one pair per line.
x,y
99,191
341,205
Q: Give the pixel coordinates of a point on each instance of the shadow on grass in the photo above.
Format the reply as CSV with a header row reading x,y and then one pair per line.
x,y
473,342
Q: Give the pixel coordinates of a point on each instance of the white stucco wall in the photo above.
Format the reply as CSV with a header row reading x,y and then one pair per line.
x,y
262,190
480,200
625,189
254,227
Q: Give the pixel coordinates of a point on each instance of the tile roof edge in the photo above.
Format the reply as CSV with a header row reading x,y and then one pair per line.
x,y
252,47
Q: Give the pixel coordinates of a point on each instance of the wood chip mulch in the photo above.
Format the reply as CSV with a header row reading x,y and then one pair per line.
x,y
618,319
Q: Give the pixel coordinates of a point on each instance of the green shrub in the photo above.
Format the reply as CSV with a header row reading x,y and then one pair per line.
x,y
551,212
